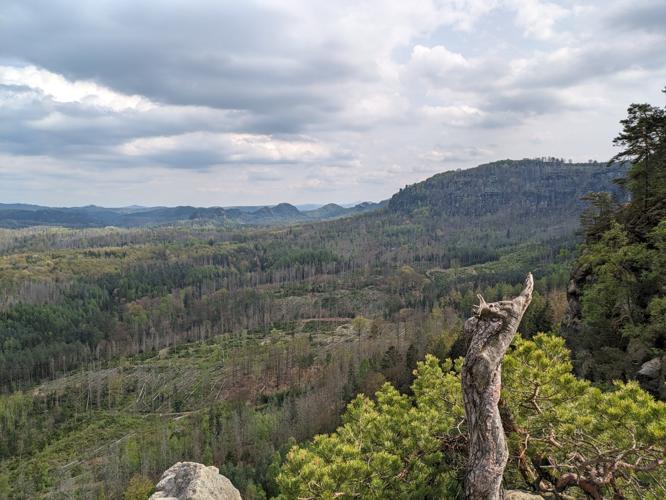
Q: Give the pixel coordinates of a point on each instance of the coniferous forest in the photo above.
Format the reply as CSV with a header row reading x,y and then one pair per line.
x,y
321,358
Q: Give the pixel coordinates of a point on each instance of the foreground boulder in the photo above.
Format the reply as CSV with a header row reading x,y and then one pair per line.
x,y
193,481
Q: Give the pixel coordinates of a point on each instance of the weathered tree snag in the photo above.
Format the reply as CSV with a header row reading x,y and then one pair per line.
x,y
490,332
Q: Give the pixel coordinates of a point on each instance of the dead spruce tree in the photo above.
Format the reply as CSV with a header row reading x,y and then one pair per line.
x,y
489,332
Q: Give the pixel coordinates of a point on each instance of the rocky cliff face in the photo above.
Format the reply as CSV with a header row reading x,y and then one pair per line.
x,y
193,481
634,361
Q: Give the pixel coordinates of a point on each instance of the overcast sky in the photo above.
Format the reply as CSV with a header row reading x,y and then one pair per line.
x,y
209,102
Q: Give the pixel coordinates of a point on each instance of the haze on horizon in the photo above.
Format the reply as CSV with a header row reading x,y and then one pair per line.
x,y
204,102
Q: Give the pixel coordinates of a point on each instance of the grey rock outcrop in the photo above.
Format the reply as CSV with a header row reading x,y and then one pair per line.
x,y
194,481
652,376
650,369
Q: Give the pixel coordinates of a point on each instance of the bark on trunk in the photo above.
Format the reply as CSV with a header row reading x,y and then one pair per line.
x,y
490,332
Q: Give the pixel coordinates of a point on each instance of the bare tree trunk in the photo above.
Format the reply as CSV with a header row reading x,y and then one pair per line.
x,y
490,332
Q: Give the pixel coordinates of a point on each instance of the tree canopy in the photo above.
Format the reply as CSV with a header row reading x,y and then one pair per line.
x,y
565,434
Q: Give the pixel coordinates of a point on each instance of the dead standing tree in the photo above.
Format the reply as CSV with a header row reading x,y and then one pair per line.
x,y
490,332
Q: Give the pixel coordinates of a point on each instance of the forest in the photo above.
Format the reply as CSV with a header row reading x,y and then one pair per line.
x,y
126,349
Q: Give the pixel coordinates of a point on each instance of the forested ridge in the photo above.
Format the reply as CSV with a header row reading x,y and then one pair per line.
x,y
123,350
510,188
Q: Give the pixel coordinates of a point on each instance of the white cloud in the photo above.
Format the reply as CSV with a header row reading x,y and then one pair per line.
x,y
62,90
458,115
230,147
441,154
537,18
437,63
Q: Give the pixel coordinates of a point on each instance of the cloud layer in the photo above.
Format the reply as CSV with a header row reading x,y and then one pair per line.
x,y
222,103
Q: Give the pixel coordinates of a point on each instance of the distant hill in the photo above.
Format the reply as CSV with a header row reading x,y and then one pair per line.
x,y
19,206
20,215
509,187
330,210
334,211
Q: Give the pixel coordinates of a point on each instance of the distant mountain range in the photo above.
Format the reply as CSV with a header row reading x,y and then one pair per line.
x,y
506,189
19,215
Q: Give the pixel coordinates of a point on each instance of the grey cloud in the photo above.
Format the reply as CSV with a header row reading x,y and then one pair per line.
x,y
230,55
209,65
36,125
648,16
594,61
528,101
269,176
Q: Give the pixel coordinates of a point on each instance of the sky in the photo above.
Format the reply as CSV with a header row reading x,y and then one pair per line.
x,y
218,103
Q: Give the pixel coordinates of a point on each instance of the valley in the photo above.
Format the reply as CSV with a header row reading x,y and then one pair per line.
x,y
127,349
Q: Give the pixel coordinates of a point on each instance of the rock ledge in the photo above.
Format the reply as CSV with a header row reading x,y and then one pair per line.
x,y
521,495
